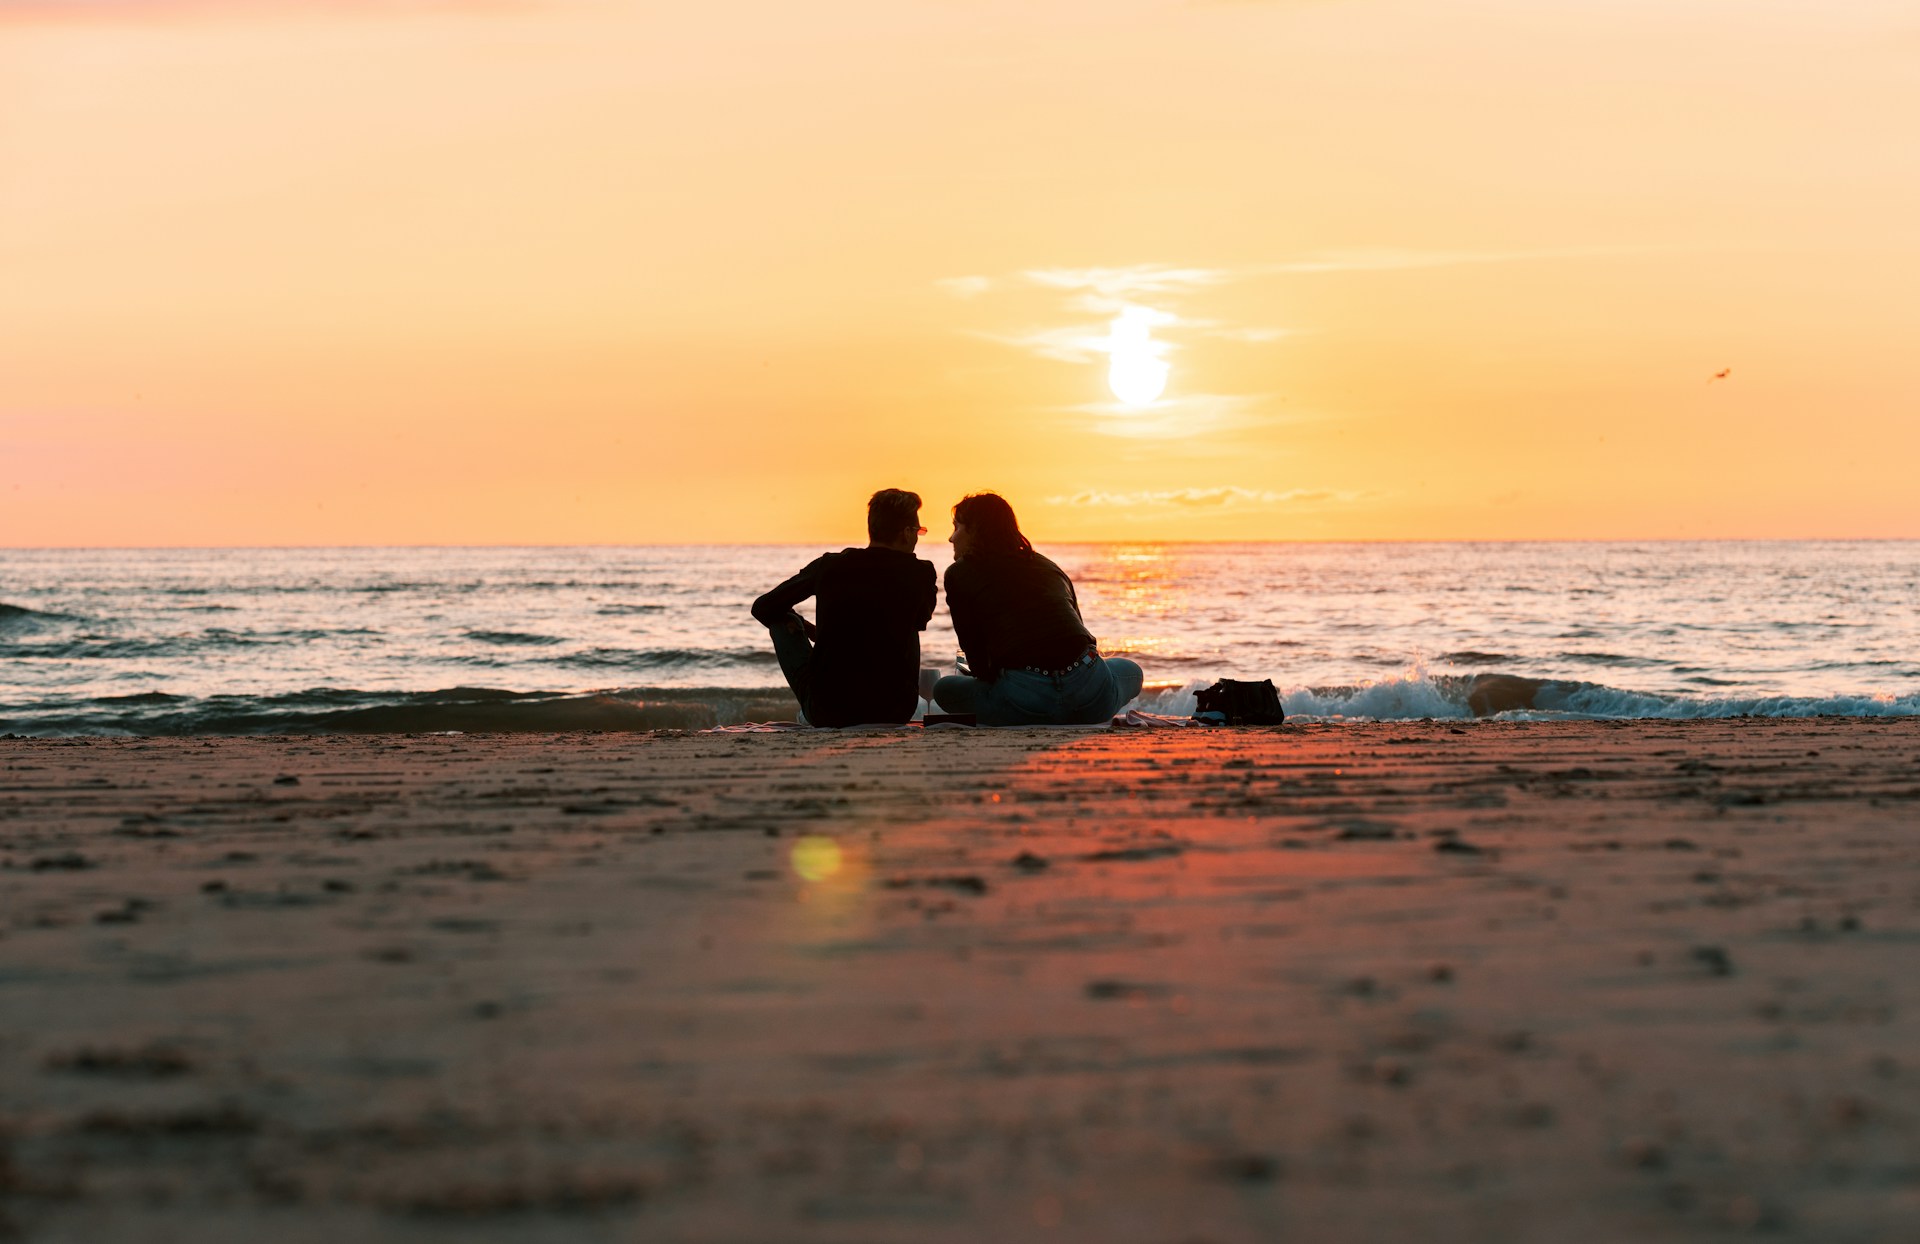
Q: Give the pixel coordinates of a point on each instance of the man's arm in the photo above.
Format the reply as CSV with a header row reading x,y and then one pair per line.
x,y
927,595
775,609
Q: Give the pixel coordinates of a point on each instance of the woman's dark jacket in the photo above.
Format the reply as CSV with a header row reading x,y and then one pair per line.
x,y
1014,611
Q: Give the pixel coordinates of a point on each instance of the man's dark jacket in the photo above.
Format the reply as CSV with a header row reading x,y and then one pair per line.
x,y
870,606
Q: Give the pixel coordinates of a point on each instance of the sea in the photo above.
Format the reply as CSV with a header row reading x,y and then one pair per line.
x,y
251,641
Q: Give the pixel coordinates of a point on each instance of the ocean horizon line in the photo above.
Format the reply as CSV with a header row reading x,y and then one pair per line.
x,y
1077,543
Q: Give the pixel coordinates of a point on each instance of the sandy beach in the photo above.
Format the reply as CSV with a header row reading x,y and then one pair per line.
x,y
1424,981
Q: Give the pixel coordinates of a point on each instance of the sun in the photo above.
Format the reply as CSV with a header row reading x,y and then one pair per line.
x,y
1135,371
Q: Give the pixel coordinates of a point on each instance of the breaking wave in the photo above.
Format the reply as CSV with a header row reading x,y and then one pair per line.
x,y
664,658
514,638
326,710
1417,694
93,647
15,619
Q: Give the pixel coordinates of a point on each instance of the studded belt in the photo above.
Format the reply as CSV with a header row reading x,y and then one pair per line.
x,y
1086,658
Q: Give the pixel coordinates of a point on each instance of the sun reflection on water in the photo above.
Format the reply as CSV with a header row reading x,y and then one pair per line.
x,y
1135,591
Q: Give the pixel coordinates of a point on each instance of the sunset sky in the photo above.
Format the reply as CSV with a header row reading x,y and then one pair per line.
x,y
577,271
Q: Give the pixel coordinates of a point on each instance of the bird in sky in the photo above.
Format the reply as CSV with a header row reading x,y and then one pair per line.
x,y
1722,374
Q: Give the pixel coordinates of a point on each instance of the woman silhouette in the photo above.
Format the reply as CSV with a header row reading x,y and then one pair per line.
x,y
1030,659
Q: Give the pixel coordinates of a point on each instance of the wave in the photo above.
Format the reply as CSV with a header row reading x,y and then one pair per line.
x,y
1416,695
664,658
96,647
19,618
326,710
473,710
514,638
1157,659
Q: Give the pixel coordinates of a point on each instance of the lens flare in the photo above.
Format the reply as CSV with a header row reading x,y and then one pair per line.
x,y
816,858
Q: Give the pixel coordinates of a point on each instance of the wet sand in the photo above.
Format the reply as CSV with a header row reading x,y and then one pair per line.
x,y
1429,981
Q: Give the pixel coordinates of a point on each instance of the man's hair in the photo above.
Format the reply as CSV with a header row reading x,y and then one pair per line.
x,y
889,510
990,518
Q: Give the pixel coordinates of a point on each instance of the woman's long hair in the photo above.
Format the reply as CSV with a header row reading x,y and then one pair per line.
x,y
990,519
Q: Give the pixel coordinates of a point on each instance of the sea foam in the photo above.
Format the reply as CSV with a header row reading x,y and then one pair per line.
x,y
1418,695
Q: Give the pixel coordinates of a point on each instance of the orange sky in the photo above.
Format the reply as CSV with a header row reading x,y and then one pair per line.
x,y
557,271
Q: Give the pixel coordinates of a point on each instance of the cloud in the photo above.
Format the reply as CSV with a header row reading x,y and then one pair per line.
x,y
1227,332
1394,260
1143,289
1110,291
1102,287
1090,343
964,286
1074,343
1136,281
1185,417
1199,499
1136,333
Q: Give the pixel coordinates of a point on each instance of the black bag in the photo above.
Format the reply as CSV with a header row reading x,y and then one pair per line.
x,y
1232,703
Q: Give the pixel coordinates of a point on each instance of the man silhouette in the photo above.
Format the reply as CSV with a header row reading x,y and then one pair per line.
x,y
859,662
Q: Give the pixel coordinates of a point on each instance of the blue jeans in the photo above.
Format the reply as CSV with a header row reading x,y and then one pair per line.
x,y
1084,696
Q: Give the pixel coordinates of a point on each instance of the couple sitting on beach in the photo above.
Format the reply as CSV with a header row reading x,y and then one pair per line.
x,y
1030,660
